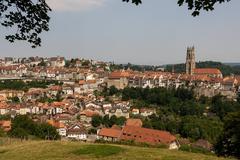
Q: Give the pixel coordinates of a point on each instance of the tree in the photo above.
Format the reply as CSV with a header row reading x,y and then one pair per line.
x,y
113,90
30,17
46,131
2,133
23,122
195,5
15,99
23,126
121,121
106,121
19,133
228,143
113,120
96,121
42,63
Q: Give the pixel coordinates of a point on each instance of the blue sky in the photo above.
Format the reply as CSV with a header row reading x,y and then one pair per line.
x,y
156,32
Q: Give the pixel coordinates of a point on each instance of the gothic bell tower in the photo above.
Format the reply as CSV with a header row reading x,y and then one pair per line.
x,y
190,60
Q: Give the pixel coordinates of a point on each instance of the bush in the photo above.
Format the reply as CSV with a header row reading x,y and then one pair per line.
x,y
189,148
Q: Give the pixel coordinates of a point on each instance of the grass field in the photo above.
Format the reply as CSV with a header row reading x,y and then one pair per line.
x,y
45,150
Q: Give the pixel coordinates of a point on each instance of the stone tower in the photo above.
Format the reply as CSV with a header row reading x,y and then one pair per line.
x,y
190,60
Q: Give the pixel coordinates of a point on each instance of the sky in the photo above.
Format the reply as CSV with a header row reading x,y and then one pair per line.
x,y
154,33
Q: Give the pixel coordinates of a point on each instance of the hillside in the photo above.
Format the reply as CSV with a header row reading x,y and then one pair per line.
x,y
46,150
225,69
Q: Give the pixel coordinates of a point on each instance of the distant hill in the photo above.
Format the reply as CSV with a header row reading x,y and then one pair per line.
x,y
224,68
232,64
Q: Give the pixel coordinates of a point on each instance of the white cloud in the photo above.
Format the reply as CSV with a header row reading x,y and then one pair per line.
x,y
74,5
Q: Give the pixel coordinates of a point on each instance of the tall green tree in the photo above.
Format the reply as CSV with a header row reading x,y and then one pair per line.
x,y
229,141
96,121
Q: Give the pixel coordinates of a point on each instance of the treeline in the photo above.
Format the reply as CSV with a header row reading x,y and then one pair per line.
x,y
21,85
225,69
191,127
134,67
106,121
24,127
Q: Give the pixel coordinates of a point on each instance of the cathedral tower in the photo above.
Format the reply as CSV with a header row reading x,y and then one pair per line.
x,y
190,60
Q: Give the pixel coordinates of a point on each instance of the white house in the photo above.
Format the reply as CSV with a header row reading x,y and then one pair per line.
x,y
77,132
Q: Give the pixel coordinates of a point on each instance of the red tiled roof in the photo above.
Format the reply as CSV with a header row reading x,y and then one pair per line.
x,y
81,82
118,74
56,124
110,132
89,113
56,88
5,125
230,80
200,78
134,122
145,135
207,71
4,106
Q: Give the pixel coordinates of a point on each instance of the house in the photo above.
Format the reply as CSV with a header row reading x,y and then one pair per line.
x,y
77,132
150,136
63,118
5,125
54,90
119,111
61,128
67,90
145,112
93,106
134,122
119,79
87,114
109,134
24,109
11,93
4,108
57,61
106,108
3,99
135,111
229,83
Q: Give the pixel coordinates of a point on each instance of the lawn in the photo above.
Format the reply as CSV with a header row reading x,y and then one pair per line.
x,y
46,150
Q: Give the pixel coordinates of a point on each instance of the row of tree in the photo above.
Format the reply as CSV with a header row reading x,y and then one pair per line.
x,y
21,85
106,121
24,127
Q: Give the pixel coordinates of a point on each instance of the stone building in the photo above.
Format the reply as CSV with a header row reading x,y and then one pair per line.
x,y
190,61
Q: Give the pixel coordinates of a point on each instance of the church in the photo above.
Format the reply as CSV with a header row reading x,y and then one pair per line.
x,y
192,70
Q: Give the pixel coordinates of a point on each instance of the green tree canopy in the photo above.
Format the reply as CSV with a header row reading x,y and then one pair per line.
x,y
228,143
195,5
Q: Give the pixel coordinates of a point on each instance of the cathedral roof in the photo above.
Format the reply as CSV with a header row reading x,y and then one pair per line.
x,y
207,71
